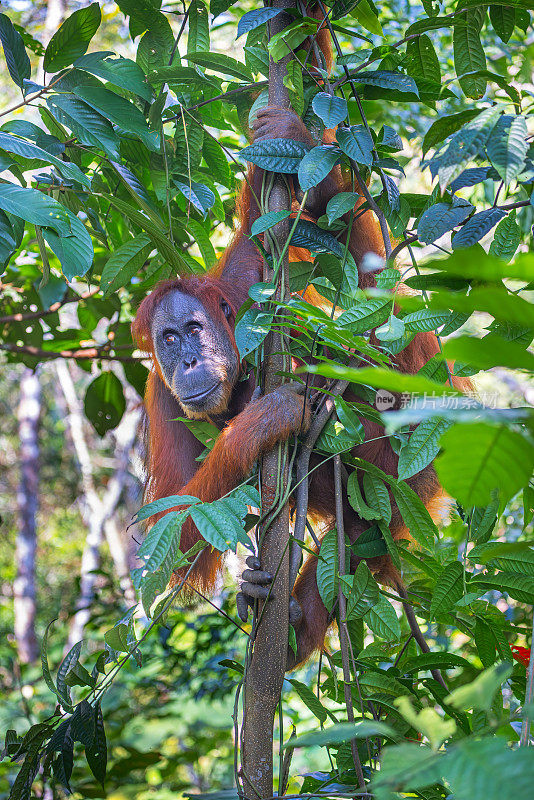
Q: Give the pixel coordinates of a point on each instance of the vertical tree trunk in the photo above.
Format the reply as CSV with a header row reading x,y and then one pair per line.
x,y
27,502
265,675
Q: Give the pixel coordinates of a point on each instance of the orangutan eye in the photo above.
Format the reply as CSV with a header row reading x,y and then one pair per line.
x,y
169,337
227,311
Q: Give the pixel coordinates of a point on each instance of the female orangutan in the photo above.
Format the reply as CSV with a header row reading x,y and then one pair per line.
x,y
187,326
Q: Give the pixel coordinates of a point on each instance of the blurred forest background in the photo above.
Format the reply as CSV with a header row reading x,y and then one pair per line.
x,y
67,497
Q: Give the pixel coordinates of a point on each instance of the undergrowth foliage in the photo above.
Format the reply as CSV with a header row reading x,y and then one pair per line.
x,y
116,173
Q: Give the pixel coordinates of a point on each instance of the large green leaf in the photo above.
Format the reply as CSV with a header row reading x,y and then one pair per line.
x,y
385,79
415,515
506,238
342,732
449,588
496,457
104,402
35,207
119,71
316,165
503,21
467,143
366,315
422,59
72,39
477,227
489,352
251,329
364,594
330,109
19,147
426,319
328,569
119,111
253,19
444,126
218,523
89,127
507,146
441,218
124,263
357,143
383,621
75,251
15,53
422,446
219,62
276,155
469,55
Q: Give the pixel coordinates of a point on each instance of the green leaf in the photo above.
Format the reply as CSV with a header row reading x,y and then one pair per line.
x,y
469,54
328,570
465,769
70,660
165,504
507,146
219,62
35,207
364,594
198,39
104,402
506,238
479,693
385,79
340,204
477,227
422,446
96,754
379,378
251,329
287,42
162,536
357,143
218,524
44,660
466,144
316,165
520,587
267,221
497,457
356,499
441,218
276,155
13,144
89,127
216,160
119,71
449,589
342,732
366,15
119,111
17,60
422,59
198,195
415,515
307,234
425,661
330,109
117,638
383,621
198,232
253,19
489,352
503,21
72,39
391,331
445,126
377,495
75,251
366,315
310,700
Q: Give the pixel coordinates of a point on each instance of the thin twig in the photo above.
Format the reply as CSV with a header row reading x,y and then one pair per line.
x,y
88,353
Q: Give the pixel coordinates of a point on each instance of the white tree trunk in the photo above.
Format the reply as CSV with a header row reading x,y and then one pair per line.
x,y
27,501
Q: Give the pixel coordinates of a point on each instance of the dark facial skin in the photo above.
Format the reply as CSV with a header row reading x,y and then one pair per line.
x,y
195,353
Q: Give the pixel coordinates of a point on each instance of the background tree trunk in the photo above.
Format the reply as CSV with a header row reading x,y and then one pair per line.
x,y
27,502
265,674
